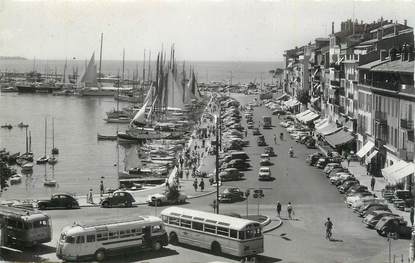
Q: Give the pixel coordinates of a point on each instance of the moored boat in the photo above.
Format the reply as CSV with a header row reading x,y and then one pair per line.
x,y
16,179
49,182
27,168
106,137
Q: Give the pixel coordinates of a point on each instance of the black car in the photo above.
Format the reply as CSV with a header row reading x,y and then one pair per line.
x,y
346,185
117,199
238,164
231,194
311,144
261,141
312,158
59,200
256,132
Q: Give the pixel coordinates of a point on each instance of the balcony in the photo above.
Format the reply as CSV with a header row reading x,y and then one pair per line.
x,y
407,124
393,86
379,143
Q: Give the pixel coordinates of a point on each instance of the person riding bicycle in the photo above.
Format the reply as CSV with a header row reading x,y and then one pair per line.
x,y
291,152
329,226
281,136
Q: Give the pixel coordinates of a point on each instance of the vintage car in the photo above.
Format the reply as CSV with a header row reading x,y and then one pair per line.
x,y
237,163
393,226
118,199
256,131
373,218
231,194
369,208
167,198
270,151
264,174
261,141
346,185
330,166
230,174
265,161
312,158
58,201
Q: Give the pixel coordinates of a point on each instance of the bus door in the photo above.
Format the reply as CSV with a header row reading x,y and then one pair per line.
x,y
147,236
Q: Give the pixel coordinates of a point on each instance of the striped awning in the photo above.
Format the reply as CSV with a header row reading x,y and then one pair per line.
x,y
394,173
365,149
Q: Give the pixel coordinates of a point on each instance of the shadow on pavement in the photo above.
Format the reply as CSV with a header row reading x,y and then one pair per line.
x,y
140,256
29,255
335,240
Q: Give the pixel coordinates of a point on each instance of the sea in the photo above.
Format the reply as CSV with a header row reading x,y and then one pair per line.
x,y
83,161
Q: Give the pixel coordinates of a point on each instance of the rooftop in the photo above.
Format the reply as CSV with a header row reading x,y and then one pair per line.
x,y
395,66
372,64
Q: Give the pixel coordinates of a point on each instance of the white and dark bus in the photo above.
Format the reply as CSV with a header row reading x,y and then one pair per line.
x,y
25,227
219,233
100,239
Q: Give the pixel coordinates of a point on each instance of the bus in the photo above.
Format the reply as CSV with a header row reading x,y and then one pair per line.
x,y
25,227
100,239
218,233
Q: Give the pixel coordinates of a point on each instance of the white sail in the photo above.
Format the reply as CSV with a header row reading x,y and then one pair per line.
x,y
149,115
90,75
140,117
174,93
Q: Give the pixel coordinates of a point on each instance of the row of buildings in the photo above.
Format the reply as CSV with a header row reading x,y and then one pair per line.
x,y
360,80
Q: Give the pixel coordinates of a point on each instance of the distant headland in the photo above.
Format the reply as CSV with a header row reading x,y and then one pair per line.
x,y
12,58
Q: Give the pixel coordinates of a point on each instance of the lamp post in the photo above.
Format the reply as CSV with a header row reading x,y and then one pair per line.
x,y
217,161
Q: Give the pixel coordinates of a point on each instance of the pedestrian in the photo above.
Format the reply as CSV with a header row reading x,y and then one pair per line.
x,y
187,174
275,138
195,184
348,160
166,183
278,115
411,216
181,162
90,197
101,188
279,208
246,133
202,185
290,210
372,183
211,180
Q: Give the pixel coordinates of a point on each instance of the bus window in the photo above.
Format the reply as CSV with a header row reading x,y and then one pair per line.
x,y
242,235
28,225
80,239
223,231
113,235
40,223
233,233
174,221
165,219
185,223
102,236
70,240
90,238
210,228
197,226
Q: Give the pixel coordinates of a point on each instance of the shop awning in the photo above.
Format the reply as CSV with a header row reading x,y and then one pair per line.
x,y
283,96
339,138
329,129
305,116
394,173
370,157
301,114
310,117
319,123
291,103
365,149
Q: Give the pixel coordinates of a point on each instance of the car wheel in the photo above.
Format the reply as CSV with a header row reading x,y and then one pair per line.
x,y
100,255
128,204
42,207
158,202
105,204
156,246
69,206
173,239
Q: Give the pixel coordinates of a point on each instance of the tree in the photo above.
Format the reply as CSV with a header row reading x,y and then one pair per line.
x,y
303,96
5,174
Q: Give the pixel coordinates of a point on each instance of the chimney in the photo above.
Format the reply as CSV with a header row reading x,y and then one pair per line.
x,y
405,22
383,55
332,27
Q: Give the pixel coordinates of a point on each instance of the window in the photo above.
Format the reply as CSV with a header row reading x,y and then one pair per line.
x,y
185,223
165,219
113,235
70,240
241,235
156,229
223,231
197,226
174,221
90,238
80,239
396,137
233,233
210,228
102,236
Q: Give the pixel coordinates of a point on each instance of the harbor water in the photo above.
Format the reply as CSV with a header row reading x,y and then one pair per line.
x,y
82,161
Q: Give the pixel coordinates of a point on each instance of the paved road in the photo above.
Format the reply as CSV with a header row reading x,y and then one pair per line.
x,y
299,240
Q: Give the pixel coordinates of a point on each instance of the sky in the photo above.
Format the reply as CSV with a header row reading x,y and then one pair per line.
x,y
208,30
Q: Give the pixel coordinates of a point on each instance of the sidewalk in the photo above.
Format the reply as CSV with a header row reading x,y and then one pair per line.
x,y
359,172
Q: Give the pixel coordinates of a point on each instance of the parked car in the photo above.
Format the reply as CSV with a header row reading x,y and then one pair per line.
x,y
311,144
117,199
337,170
336,177
350,199
355,189
230,174
231,194
343,178
265,161
238,164
58,200
256,131
393,225
330,166
346,185
313,158
375,207
264,174
261,141
167,198
373,218
270,151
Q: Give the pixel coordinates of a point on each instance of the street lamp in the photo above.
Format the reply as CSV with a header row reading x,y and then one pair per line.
x,y
217,161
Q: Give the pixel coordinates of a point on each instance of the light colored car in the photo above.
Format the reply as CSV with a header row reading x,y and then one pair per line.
x,y
330,166
340,176
264,174
165,199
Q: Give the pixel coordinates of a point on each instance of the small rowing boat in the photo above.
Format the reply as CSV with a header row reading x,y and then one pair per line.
x,y
106,137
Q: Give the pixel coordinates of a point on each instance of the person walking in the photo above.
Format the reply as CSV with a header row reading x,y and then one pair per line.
x,y
290,210
101,188
202,185
348,160
275,139
279,206
90,197
411,216
329,226
195,184
372,183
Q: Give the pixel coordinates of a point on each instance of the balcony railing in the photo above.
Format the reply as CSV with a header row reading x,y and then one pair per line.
x,y
407,124
394,86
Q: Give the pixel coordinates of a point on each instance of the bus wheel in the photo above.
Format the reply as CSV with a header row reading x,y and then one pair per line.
x,y
156,246
100,255
174,240
216,249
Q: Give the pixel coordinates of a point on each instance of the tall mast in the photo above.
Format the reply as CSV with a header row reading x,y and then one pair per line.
x,y
123,65
30,141
45,134
53,133
27,142
144,67
149,67
100,59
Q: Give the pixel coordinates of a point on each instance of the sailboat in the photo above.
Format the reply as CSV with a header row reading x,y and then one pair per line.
x,y
55,150
50,182
44,158
28,155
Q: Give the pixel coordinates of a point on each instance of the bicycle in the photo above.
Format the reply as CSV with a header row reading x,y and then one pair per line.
x,y
329,234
